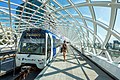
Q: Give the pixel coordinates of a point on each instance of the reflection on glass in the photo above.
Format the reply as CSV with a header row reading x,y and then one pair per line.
x,y
101,32
102,14
117,22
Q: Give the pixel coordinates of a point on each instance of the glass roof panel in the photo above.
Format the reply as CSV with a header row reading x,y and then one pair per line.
x,y
100,0
103,14
16,1
79,20
63,12
27,14
117,23
101,32
52,3
84,30
85,11
78,1
63,3
4,4
72,11
90,25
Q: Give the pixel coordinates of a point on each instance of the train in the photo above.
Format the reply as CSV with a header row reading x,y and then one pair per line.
x,y
37,47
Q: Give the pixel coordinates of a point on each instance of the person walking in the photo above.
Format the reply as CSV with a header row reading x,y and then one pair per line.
x,y
64,50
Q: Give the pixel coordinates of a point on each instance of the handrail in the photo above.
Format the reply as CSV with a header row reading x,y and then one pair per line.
x,y
4,57
7,52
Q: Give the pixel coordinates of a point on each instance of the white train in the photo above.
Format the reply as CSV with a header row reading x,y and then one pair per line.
x,y
37,47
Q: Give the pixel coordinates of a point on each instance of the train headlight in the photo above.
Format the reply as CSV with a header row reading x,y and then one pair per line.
x,y
41,61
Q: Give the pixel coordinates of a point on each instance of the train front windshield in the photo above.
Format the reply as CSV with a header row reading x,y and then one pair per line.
x,y
33,44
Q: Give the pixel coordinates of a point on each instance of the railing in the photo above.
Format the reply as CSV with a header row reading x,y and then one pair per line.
x,y
5,55
114,54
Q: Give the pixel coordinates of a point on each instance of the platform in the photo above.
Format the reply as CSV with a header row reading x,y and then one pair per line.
x,y
76,67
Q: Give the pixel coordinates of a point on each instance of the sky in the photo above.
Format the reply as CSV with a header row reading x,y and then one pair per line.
x,y
102,14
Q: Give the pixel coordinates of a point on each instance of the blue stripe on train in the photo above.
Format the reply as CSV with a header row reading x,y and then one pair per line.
x,y
54,47
54,51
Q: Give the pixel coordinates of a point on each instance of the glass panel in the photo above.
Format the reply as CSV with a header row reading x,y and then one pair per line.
x,y
101,32
113,47
84,30
85,11
16,1
90,37
100,0
70,19
63,3
78,1
72,11
80,21
97,46
117,23
52,3
89,44
4,14
3,4
90,25
112,43
103,14
63,12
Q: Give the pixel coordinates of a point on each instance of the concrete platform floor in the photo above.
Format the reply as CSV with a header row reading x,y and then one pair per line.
x,y
76,67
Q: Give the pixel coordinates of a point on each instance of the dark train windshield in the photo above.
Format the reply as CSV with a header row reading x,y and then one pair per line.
x,y
33,46
32,42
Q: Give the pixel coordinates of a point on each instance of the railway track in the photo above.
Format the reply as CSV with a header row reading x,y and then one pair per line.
x,y
22,73
28,73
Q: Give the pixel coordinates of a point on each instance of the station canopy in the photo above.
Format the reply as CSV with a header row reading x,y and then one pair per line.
x,y
90,24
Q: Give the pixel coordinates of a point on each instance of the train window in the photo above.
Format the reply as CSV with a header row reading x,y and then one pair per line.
x,y
33,46
48,47
56,42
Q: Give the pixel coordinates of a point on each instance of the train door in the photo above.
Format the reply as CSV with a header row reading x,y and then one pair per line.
x,y
48,48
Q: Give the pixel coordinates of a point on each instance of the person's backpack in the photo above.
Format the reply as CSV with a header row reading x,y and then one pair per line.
x,y
61,49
